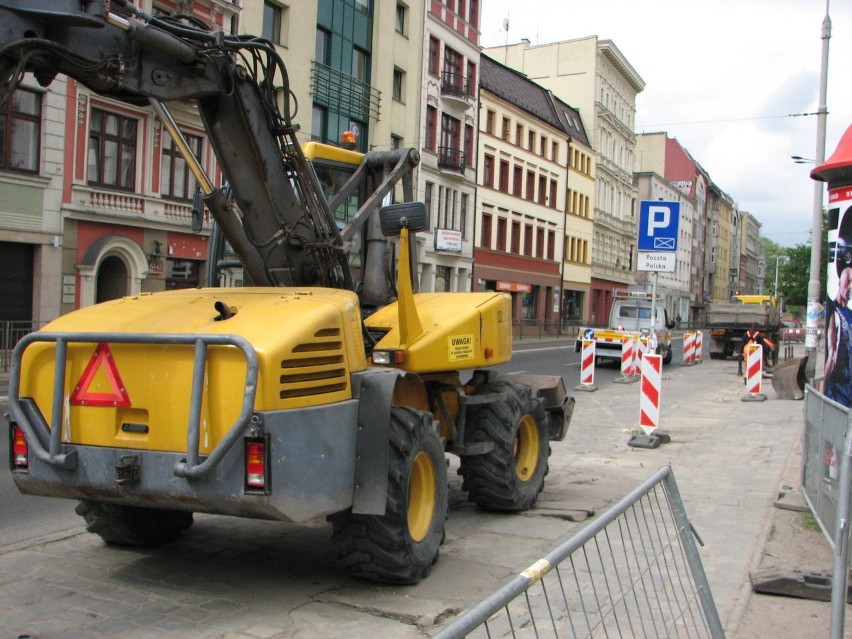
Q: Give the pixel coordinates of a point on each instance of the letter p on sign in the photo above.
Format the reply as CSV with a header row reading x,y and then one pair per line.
x,y
658,218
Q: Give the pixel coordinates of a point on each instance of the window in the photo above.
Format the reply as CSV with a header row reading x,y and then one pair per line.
x,y
434,55
543,147
469,156
273,21
471,79
506,125
177,181
530,185
539,242
112,150
554,153
519,134
452,77
542,190
531,141
398,82
319,123
400,18
517,181
528,239
488,170
427,199
321,52
360,65
363,6
552,201
473,13
20,131
516,237
551,244
450,151
182,274
485,237
431,127
396,142
463,215
489,121
501,233
504,176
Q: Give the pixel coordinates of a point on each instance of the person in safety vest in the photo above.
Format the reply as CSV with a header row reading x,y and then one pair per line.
x,y
754,336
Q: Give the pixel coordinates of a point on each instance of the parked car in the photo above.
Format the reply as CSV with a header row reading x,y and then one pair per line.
x,y
792,331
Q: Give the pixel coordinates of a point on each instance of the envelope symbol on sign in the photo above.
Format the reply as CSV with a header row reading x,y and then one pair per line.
x,y
664,243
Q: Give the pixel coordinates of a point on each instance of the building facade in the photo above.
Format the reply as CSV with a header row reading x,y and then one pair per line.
x,y
596,77
524,147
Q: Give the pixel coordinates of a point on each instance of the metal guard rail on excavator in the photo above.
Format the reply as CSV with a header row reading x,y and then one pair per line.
x,y
38,433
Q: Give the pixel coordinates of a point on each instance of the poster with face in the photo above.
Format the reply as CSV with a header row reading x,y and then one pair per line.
x,y
837,379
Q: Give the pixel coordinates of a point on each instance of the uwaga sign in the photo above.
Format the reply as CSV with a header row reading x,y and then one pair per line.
x,y
460,347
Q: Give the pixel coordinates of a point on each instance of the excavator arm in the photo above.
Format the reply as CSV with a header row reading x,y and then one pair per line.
x,y
273,214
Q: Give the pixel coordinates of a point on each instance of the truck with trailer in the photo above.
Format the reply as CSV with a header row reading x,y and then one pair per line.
x,y
307,394
630,316
727,323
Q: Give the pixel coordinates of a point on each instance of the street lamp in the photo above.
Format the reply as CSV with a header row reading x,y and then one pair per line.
x,y
798,159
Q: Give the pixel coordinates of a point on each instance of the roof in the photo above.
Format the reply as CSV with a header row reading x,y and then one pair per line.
x,y
519,91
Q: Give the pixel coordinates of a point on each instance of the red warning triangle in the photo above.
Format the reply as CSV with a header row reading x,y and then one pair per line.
x,y
101,359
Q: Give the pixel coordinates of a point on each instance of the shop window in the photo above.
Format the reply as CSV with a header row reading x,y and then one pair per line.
x,y
182,274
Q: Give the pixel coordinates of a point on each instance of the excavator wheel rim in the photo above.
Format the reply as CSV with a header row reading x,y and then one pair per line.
x,y
527,448
421,496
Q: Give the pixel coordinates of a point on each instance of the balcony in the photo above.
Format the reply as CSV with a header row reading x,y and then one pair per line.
x,y
454,88
341,93
451,159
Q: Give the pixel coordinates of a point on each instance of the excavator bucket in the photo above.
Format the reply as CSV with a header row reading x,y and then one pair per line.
x,y
788,378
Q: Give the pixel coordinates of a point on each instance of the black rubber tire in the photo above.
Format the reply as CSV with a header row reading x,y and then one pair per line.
x,y
499,480
131,525
392,548
667,358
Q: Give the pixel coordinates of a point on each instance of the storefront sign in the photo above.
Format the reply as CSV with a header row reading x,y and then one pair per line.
x,y
448,240
514,287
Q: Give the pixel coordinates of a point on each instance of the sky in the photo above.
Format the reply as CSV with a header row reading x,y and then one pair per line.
x,y
727,78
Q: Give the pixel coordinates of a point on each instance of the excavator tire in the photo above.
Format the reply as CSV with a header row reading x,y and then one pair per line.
x,y
401,546
131,525
510,476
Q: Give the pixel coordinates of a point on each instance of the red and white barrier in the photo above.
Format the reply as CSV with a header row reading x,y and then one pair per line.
x,y
688,348
699,345
642,348
628,356
587,366
754,370
649,400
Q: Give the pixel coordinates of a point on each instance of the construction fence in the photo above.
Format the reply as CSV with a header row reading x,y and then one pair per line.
x,y
634,571
826,484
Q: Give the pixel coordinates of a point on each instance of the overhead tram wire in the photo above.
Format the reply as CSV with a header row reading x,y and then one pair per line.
x,y
759,117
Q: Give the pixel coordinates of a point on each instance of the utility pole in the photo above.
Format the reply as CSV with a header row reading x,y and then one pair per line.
x,y
816,230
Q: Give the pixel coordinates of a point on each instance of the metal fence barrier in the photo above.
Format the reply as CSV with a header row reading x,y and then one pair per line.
x,y
634,571
11,333
826,484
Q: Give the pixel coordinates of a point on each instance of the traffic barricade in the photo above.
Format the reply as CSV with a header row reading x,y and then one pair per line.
x,y
754,373
587,367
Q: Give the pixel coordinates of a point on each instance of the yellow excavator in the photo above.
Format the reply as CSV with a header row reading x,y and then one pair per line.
x,y
308,394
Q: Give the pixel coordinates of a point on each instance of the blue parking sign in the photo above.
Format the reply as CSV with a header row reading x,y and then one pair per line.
x,y
658,225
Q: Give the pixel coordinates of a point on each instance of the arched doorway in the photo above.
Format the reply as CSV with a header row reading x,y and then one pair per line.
x,y
112,279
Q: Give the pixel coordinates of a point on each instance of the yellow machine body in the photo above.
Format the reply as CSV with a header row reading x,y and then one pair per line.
x,y
460,331
307,341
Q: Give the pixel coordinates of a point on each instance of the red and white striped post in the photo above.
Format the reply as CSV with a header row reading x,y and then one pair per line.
x,y
688,348
754,373
699,345
587,367
628,355
649,401
642,349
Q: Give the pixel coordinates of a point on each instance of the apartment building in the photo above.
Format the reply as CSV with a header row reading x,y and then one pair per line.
x,y
449,105
522,226
97,199
750,254
595,76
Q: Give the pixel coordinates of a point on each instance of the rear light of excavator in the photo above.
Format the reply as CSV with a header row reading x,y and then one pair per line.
x,y
256,465
20,449
388,358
